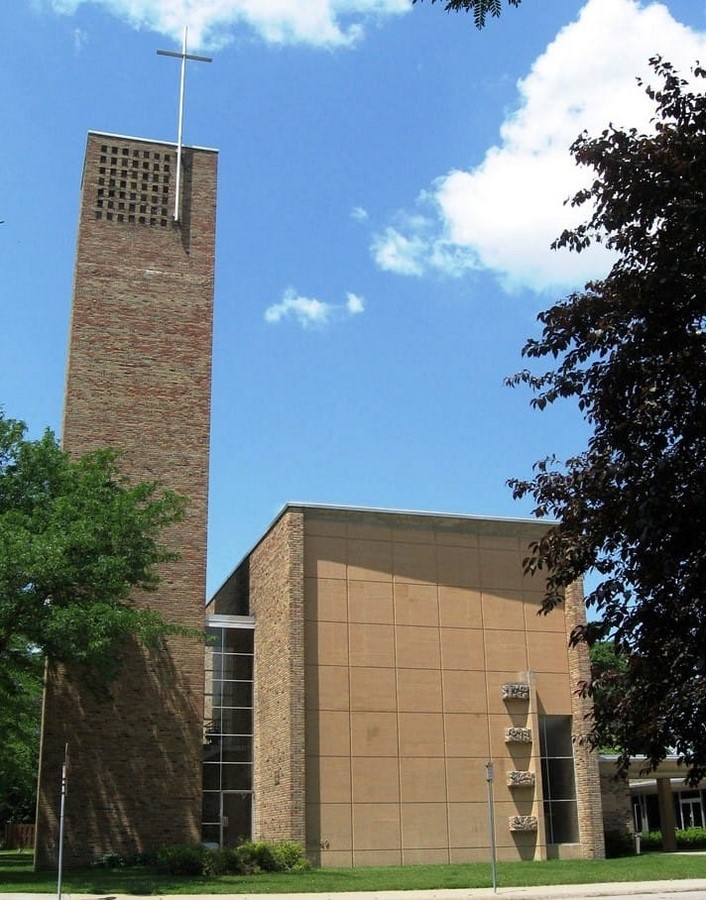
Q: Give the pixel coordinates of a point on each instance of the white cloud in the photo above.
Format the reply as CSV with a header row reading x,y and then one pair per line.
x,y
354,304
503,214
308,311
326,23
80,39
359,214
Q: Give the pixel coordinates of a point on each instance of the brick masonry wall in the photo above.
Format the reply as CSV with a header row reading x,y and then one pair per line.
x,y
588,783
277,602
138,379
617,808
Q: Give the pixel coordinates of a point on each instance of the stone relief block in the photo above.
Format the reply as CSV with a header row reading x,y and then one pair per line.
x,y
522,823
517,778
516,691
518,735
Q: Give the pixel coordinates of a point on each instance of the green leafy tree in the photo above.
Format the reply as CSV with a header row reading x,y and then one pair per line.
x,y
630,350
480,8
76,539
608,669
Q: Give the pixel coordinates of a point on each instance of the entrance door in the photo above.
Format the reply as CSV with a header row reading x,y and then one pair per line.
x,y
691,812
236,817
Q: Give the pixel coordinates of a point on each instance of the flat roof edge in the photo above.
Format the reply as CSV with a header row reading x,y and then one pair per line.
x,y
342,507
132,137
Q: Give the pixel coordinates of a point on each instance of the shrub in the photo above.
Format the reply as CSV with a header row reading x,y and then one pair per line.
x,y
222,861
692,839
687,839
182,860
290,856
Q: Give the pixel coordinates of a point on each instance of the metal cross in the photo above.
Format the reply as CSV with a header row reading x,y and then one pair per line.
x,y
183,56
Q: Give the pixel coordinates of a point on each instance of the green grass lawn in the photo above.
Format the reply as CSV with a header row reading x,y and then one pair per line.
x,y
16,875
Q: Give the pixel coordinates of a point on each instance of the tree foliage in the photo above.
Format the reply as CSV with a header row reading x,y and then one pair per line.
x,y
630,350
480,8
75,540
608,669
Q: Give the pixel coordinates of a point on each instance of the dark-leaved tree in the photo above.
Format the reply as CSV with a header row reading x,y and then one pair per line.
x,y
631,351
480,8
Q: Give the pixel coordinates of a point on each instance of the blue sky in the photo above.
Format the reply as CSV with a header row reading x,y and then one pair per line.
x,y
390,182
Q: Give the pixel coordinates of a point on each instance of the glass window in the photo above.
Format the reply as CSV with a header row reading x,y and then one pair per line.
x,y
558,780
228,729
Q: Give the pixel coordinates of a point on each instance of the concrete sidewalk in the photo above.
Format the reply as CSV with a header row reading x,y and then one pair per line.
x,y
688,888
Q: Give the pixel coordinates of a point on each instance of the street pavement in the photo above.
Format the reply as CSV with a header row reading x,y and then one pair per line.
x,y
686,889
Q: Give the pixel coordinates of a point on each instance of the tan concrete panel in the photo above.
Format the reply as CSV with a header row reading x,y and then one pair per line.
x,y
417,647
415,562
335,859
328,734
372,645
361,532
466,778
520,806
369,560
421,734
464,691
462,648
416,604
323,527
505,650
466,735
460,607
373,689
458,855
503,610
454,538
547,652
468,825
326,643
553,694
325,557
326,599
375,779
419,690
498,542
328,779
500,569
407,535
422,780
370,602
330,823
424,825
376,826
538,621
421,857
327,687
377,858
374,734
458,566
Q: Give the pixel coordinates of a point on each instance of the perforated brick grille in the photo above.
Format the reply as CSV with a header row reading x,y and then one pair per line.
x,y
133,185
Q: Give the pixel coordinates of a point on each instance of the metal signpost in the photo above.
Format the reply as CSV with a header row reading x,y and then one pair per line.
x,y
489,775
62,809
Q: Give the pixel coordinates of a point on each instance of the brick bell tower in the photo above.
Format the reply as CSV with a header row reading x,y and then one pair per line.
x,y
139,379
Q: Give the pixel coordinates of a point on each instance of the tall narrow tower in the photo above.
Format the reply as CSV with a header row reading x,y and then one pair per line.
x,y
139,380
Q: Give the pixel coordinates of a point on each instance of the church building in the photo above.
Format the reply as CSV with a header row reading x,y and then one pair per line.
x,y
372,677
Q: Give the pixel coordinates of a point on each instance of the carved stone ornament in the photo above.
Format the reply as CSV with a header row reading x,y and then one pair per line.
x,y
516,691
522,823
518,735
520,779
